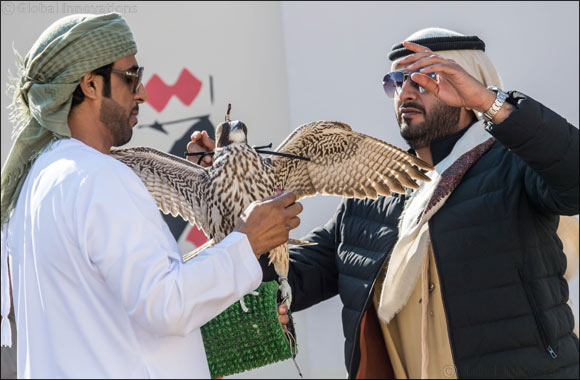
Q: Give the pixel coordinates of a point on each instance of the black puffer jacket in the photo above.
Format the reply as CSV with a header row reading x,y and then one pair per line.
x,y
499,260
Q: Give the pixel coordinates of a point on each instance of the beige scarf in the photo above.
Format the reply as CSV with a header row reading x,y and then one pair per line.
x,y
410,250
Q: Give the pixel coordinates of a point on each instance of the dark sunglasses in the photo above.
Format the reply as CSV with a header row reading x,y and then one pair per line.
x,y
135,77
393,82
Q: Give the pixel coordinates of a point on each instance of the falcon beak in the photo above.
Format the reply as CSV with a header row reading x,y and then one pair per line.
x,y
233,131
238,132
236,125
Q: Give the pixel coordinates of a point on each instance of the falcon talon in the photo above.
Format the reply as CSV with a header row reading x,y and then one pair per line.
x,y
245,309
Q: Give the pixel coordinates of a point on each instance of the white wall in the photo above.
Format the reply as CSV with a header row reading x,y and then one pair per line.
x,y
282,65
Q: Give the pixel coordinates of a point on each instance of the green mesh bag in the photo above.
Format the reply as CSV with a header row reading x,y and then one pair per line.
x,y
236,341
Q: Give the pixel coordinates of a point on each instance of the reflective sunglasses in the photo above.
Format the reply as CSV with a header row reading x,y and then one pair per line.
x,y
132,76
393,82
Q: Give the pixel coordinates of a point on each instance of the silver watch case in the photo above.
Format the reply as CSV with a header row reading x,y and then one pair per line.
x,y
499,101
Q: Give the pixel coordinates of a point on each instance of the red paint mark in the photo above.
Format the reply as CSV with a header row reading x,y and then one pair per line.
x,y
196,236
186,88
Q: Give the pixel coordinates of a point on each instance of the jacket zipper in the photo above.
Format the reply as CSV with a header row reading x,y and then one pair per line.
x,y
356,331
543,335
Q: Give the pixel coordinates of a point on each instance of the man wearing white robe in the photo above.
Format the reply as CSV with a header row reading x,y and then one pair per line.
x,y
99,286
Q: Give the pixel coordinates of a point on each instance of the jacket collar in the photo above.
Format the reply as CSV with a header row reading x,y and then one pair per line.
x,y
440,148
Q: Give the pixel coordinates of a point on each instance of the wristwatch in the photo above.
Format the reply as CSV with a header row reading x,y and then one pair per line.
x,y
499,100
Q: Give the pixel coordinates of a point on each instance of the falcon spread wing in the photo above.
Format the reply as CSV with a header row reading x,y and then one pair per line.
x,y
178,186
344,163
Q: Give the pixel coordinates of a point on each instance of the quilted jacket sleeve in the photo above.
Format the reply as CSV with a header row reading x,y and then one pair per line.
x,y
548,144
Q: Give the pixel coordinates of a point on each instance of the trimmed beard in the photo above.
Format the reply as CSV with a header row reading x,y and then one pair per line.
x,y
440,121
115,119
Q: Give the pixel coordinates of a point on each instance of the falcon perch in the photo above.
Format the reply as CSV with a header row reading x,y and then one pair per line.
x,y
342,162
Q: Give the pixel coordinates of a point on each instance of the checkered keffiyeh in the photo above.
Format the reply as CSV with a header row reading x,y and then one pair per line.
x,y
47,77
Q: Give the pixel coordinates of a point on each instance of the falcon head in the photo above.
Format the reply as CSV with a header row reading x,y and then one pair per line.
x,y
231,131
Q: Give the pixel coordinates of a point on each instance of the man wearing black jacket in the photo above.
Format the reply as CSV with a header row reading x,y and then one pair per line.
x,y
462,278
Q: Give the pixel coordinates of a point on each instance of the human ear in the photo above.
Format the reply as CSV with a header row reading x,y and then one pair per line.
x,y
91,85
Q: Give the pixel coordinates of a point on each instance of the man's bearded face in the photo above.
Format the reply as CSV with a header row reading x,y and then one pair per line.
x,y
420,125
117,120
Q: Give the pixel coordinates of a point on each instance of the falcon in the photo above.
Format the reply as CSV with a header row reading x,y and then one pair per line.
x,y
321,157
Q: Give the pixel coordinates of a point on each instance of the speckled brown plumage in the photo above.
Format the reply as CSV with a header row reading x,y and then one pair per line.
x,y
342,162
